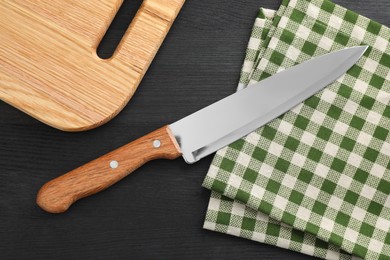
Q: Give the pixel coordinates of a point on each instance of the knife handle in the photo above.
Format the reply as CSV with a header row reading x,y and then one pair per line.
x,y
59,194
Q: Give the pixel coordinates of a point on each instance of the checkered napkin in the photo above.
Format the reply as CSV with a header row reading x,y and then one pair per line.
x,y
317,179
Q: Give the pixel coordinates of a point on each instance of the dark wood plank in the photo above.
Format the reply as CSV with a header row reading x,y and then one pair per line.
x,y
158,212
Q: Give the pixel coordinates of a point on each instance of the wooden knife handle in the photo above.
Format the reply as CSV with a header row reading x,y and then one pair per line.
x,y
59,194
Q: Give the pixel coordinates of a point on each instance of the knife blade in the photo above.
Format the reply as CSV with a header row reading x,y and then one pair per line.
x,y
204,131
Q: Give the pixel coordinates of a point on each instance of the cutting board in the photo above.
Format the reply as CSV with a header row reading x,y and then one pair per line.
x,y
48,63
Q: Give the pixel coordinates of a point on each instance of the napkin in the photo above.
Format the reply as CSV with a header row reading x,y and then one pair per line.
x,y
317,179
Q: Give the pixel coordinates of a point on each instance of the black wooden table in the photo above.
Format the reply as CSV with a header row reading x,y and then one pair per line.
x,y
158,212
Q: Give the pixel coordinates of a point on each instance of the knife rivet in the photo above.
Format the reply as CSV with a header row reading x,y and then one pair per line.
x,y
156,143
114,164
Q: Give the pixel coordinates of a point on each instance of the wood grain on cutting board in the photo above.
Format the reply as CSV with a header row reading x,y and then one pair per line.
x,y
48,63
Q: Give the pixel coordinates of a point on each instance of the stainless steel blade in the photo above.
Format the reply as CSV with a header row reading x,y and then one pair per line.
x,y
235,116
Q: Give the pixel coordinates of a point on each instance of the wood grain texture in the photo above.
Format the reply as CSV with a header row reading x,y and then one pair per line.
x,y
158,212
48,63
59,194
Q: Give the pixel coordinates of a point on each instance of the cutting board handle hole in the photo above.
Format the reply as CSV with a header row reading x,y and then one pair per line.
x,y
118,28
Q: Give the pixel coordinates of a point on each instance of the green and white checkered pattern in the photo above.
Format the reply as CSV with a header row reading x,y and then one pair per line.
x,y
317,179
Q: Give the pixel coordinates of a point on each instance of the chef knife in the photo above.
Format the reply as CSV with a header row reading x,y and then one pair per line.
x,y
204,131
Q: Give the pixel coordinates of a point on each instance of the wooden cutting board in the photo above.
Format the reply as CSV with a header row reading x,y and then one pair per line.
x,y
48,63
